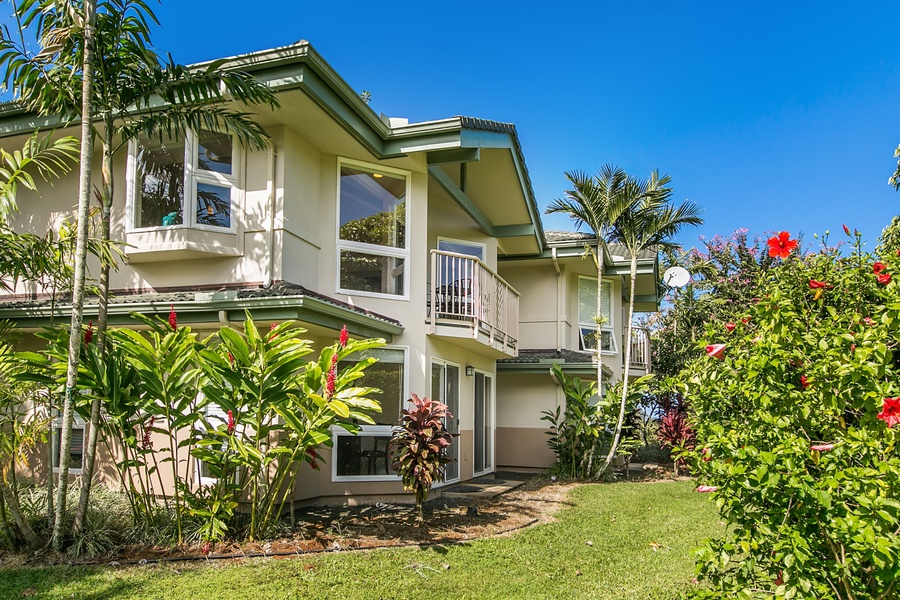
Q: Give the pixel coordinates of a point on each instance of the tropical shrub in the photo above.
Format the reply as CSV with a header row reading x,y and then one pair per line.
x,y
796,411
164,382
675,432
419,448
582,430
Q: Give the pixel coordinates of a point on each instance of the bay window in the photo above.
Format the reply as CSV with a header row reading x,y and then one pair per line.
x,y
189,183
587,313
365,455
373,249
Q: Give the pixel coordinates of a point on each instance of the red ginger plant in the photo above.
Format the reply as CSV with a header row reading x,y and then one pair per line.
x,y
419,448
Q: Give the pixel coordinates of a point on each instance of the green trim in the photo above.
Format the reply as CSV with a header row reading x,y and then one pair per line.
x,y
502,231
458,155
305,309
461,198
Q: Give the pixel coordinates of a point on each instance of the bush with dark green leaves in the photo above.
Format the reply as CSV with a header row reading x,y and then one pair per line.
x,y
797,422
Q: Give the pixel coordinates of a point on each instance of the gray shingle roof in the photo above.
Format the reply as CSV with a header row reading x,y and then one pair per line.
x,y
538,356
198,295
569,238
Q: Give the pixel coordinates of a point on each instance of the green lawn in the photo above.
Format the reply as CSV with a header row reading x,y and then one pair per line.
x,y
624,522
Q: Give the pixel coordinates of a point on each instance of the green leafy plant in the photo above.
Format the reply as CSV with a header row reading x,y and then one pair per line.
x,y
419,448
582,430
796,418
675,431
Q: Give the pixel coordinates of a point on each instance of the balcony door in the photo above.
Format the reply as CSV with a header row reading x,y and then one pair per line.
x,y
484,423
445,387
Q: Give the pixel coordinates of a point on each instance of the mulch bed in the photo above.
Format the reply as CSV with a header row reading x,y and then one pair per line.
x,y
341,528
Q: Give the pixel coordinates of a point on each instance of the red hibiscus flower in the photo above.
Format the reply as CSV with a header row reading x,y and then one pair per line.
x,y
819,285
890,411
729,326
878,267
716,351
884,278
781,245
804,382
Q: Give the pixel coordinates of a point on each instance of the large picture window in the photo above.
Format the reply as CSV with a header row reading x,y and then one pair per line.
x,y
372,246
191,182
365,455
587,312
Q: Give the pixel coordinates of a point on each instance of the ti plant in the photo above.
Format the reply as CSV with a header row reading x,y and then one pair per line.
x,y
419,448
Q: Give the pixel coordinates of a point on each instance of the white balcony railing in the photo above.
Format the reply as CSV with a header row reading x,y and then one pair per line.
x,y
640,348
465,290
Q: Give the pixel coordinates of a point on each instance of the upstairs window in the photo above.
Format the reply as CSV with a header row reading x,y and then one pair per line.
x,y
373,250
587,312
191,182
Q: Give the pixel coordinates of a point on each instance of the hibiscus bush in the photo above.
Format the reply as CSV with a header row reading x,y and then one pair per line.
x,y
795,408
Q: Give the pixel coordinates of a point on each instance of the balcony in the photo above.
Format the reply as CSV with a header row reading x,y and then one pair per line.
x,y
640,349
473,305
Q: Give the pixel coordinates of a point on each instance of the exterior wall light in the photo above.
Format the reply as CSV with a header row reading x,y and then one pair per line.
x,y
470,371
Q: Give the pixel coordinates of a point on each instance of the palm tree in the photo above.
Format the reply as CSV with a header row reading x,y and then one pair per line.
x,y
130,81
642,218
588,203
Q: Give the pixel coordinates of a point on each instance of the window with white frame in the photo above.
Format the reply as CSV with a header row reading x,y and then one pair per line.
x,y
191,182
373,251
587,314
76,446
366,455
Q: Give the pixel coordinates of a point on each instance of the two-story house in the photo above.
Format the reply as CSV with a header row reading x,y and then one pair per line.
x,y
426,234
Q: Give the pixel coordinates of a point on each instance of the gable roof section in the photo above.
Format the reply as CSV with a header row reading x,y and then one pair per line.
x,y
300,66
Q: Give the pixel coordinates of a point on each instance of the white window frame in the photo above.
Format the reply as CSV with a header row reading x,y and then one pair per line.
x,y
372,249
77,424
463,243
371,430
192,176
460,375
608,326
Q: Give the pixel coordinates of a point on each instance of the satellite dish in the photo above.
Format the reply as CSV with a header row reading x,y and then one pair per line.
x,y
676,277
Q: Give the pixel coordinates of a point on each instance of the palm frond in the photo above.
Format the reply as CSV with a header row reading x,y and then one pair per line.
x,y
44,157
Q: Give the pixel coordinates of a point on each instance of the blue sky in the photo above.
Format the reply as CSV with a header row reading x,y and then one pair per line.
x,y
771,115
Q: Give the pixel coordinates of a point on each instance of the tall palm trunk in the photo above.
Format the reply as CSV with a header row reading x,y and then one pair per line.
x,y
90,451
599,316
84,195
618,436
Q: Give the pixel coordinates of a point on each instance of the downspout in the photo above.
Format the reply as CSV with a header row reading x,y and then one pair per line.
x,y
270,226
558,300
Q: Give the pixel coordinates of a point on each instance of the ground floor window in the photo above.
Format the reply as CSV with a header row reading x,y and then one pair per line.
x,y
366,455
76,448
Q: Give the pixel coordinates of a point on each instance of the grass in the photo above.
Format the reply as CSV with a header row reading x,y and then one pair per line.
x,y
641,540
